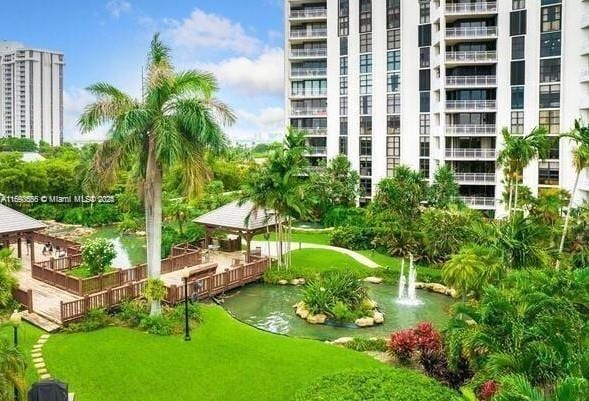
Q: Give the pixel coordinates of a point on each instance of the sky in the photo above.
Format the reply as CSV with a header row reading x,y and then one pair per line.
x,y
240,41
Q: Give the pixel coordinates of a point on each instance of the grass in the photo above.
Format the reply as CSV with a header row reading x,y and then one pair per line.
x,y
393,266
27,337
226,360
309,237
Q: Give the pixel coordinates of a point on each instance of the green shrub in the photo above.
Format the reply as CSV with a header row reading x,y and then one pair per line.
x,y
133,312
342,313
159,325
155,290
377,385
344,216
98,254
46,212
194,312
94,320
367,344
353,237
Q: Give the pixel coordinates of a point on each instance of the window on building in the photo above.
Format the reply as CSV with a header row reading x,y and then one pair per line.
x,y
366,43
548,173
343,46
424,80
394,103
343,145
365,63
517,97
518,4
394,60
554,151
550,119
365,125
343,106
518,47
517,122
366,187
393,82
394,39
392,164
424,57
550,70
424,102
365,167
343,66
365,16
394,125
365,146
424,124
365,105
366,84
551,17
393,146
550,96
424,35
343,85
518,72
424,167
550,44
424,11
343,126
344,17
393,14
424,146
517,22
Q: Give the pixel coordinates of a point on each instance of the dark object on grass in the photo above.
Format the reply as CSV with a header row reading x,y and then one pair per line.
x,y
48,390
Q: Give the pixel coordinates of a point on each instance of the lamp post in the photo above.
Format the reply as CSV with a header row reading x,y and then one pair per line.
x,y
15,320
185,275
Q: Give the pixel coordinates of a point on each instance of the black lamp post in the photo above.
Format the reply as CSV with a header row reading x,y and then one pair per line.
x,y
185,276
15,320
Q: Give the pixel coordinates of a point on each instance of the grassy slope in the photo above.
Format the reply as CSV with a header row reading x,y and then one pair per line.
x,y
309,237
393,265
225,360
28,336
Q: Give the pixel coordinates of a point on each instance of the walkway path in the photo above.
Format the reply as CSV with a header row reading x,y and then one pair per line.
x,y
296,245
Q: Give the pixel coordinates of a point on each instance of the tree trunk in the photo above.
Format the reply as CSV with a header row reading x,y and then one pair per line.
x,y
567,218
153,217
510,183
516,193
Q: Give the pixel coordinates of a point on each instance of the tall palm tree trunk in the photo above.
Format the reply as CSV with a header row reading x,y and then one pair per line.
x,y
567,219
153,217
510,183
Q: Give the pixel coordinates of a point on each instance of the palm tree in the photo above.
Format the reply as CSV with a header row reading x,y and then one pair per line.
x,y
12,371
176,122
580,135
471,269
517,388
518,151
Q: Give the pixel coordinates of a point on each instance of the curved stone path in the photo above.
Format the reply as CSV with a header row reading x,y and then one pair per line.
x,y
37,355
296,245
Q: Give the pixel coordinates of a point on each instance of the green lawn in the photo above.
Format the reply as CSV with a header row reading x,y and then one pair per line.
x,y
310,237
27,336
393,266
308,261
226,360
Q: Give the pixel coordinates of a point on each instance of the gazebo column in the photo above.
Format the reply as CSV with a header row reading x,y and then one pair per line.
x,y
248,240
31,239
18,247
207,238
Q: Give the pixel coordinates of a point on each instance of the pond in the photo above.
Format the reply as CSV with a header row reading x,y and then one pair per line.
x,y
130,249
270,308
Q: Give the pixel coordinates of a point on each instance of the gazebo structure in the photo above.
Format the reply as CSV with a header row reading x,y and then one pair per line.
x,y
244,220
14,226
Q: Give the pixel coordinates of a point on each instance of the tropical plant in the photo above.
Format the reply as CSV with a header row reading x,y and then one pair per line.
x,y
472,269
155,290
444,190
98,255
579,135
518,388
278,189
179,211
518,151
176,122
8,265
12,370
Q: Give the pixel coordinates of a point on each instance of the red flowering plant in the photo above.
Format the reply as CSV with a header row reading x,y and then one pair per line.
x,y
487,390
402,345
427,337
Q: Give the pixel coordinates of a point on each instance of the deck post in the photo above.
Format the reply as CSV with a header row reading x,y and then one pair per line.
x,y
30,300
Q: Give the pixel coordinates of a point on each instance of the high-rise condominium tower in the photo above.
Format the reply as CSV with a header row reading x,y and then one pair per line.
x,y
431,83
31,93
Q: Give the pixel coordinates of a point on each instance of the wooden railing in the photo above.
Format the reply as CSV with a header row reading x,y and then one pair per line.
x,y
54,272
200,288
70,247
25,298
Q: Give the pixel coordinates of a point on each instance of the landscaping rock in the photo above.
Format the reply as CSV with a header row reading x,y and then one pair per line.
x,y
140,233
282,282
437,288
378,317
342,340
45,376
374,280
364,322
302,281
301,310
319,318
419,285
295,281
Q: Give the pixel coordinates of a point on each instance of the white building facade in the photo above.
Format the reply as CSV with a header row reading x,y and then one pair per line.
x,y
430,83
31,93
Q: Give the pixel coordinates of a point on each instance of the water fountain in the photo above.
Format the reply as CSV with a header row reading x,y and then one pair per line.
x,y
407,294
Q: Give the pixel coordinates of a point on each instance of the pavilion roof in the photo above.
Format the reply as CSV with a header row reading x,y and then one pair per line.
x,y
233,216
12,221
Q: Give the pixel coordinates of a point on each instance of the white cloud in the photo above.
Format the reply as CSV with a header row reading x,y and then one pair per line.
x,y
268,124
211,31
118,7
263,75
74,102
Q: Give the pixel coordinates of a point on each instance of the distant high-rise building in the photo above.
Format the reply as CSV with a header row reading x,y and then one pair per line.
x,y
429,83
31,93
